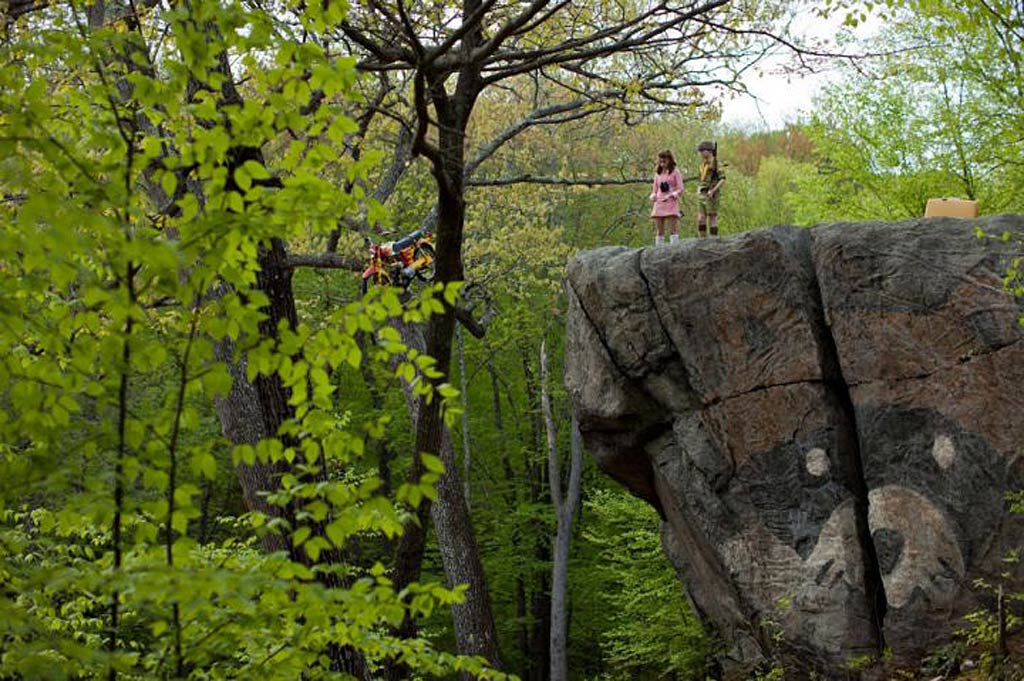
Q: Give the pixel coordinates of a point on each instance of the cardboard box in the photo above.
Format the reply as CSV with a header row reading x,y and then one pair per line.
x,y
951,208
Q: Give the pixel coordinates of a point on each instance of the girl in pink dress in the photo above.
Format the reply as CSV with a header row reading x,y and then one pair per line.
x,y
668,185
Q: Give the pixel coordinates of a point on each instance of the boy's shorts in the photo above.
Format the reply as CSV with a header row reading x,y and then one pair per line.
x,y
708,204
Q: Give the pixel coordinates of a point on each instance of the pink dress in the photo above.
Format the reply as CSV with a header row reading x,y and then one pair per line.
x,y
666,203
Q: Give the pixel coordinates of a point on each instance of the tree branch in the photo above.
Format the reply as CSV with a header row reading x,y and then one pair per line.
x,y
329,261
631,34
564,181
797,49
410,32
332,261
540,116
377,49
472,21
420,145
489,48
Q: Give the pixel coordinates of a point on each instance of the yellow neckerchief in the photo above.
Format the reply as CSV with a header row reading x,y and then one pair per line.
x,y
705,170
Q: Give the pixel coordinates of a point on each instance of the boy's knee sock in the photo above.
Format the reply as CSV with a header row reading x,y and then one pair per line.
x,y
702,229
714,226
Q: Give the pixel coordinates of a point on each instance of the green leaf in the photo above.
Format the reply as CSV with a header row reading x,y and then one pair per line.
x,y
235,202
205,464
179,521
243,179
301,535
256,170
432,463
341,126
217,381
315,546
169,182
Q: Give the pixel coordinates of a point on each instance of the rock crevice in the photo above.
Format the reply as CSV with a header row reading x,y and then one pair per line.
x,y
874,586
788,399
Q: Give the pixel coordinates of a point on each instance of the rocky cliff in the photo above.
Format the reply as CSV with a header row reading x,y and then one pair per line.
x,y
827,420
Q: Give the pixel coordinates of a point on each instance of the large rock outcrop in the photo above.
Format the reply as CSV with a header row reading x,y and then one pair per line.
x,y
827,419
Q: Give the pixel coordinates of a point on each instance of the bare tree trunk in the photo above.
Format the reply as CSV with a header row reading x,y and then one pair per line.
x,y
205,503
535,474
565,508
475,631
241,420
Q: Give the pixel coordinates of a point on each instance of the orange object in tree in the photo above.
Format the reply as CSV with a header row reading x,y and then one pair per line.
x,y
951,208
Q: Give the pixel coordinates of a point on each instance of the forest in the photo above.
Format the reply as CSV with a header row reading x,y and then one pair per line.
x,y
220,459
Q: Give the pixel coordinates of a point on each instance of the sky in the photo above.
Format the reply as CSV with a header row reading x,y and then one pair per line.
x,y
777,98
775,101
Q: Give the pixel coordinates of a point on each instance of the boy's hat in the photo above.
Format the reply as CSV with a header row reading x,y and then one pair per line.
x,y
708,146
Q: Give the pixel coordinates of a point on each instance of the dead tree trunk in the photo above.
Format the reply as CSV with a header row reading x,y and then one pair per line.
x,y
565,508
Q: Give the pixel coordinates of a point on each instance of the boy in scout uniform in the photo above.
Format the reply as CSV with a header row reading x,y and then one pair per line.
x,y
709,184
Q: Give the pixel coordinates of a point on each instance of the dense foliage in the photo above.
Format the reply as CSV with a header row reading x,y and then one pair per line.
x,y
207,458
130,306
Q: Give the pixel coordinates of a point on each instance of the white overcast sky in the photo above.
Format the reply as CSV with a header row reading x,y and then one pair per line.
x,y
777,98
774,101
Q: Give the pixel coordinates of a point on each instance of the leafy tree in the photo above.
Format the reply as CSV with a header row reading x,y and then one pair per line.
x,y
937,116
652,632
143,242
881,148
766,198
